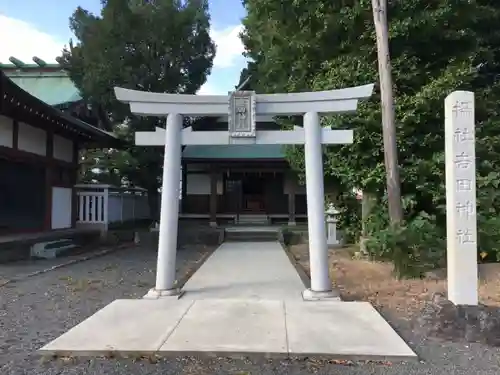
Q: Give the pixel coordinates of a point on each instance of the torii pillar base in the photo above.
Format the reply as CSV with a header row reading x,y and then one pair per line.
x,y
311,295
160,294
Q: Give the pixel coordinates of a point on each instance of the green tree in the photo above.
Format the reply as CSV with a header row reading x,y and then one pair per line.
x,y
160,46
436,48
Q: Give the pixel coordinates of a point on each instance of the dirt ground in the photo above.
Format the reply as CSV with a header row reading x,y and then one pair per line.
x,y
362,280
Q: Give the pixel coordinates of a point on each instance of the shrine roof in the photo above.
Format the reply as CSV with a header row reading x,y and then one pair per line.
x,y
234,152
21,105
45,81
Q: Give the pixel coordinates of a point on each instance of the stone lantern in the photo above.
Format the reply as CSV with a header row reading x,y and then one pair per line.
x,y
331,226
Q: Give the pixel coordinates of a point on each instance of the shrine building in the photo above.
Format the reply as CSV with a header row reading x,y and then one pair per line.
x,y
40,140
250,183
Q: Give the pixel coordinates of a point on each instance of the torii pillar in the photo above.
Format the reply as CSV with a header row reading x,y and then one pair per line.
x,y
243,109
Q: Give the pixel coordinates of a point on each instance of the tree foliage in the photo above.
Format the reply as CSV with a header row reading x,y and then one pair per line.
x,y
160,46
436,47
248,73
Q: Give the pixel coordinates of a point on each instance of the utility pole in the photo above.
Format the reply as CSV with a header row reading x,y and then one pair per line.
x,y
388,114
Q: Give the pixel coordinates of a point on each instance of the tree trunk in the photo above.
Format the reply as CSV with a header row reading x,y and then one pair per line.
x,y
388,113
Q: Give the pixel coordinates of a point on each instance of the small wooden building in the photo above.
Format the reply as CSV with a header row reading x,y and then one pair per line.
x,y
240,183
39,147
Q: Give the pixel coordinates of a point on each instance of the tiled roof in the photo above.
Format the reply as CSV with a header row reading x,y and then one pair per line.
x,y
53,90
14,101
47,82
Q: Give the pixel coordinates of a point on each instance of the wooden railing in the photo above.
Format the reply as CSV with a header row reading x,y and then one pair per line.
x,y
106,204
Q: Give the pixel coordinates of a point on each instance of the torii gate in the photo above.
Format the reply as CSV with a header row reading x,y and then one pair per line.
x,y
243,109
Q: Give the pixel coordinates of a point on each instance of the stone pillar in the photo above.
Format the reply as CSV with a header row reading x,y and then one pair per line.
x,y
331,227
321,286
213,197
331,224
169,211
461,218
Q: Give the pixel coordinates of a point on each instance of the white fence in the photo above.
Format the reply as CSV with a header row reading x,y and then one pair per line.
x,y
105,204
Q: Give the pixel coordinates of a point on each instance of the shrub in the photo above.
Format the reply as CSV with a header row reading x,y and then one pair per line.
x,y
488,233
290,237
349,217
414,247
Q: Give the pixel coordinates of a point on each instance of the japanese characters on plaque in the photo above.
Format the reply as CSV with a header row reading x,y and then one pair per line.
x,y
241,120
461,202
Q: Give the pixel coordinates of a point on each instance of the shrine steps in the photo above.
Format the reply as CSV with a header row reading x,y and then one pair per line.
x,y
51,249
253,219
251,234
46,245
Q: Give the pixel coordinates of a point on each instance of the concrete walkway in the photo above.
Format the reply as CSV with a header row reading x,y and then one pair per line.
x,y
245,299
246,270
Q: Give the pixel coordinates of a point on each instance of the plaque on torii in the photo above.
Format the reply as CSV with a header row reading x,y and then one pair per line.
x,y
243,109
241,114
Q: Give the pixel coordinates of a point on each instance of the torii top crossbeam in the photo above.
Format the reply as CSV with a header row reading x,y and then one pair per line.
x,y
242,109
160,104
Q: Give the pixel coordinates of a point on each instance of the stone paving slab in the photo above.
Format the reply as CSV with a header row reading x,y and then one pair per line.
x,y
342,329
231,326
250,270
234,327
124,326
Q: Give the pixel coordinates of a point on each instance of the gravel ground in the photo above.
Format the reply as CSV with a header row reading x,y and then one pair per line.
x,y
37,310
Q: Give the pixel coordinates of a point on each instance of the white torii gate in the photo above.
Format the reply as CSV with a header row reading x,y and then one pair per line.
x,y
243,109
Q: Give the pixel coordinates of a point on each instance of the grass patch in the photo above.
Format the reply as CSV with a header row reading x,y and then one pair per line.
x,y
374,282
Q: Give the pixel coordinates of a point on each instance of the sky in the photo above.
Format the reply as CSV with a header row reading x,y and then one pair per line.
x,y
40,28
